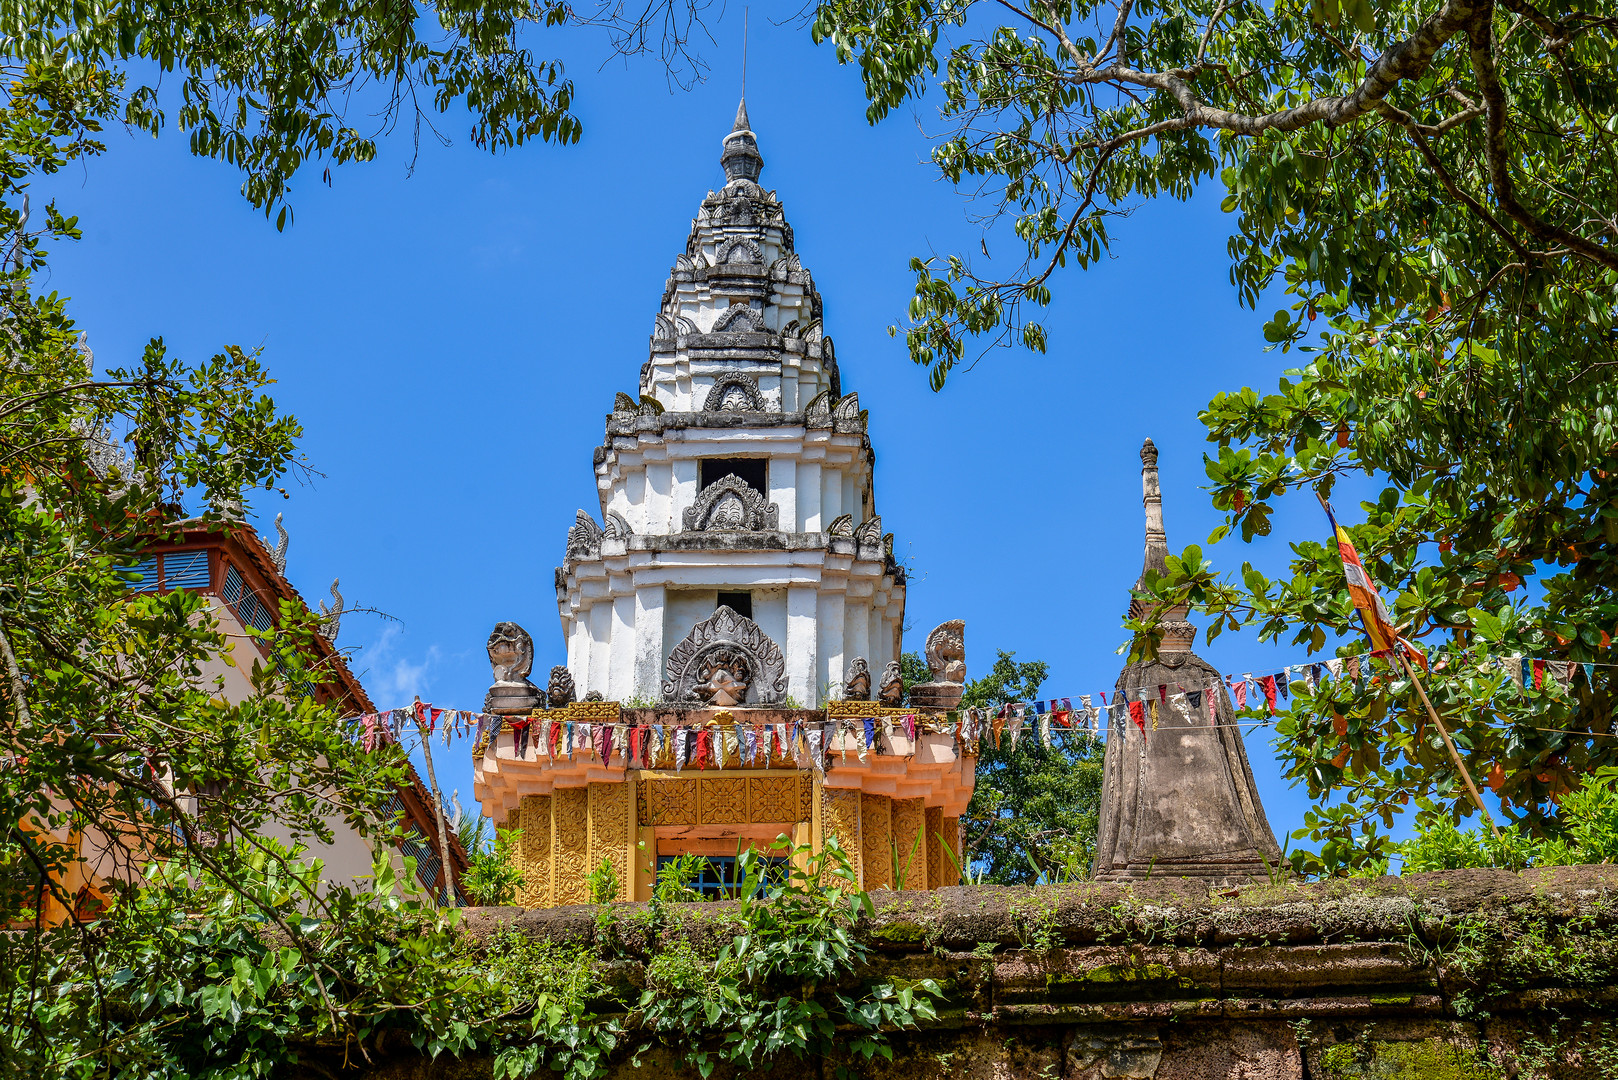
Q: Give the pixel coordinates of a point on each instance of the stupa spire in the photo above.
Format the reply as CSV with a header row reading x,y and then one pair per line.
x,y
1157,540
740,156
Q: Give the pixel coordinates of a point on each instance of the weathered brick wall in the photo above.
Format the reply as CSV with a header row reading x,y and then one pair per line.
x,y
1468,974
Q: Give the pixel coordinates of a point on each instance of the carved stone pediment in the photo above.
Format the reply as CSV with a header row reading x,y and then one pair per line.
x,y
841,526
729,505
869,532
741,250
819,405
584,538
725,657
735,393
738,319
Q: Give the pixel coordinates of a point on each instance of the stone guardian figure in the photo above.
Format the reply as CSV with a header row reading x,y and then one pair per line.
x,y
857,684
1178,799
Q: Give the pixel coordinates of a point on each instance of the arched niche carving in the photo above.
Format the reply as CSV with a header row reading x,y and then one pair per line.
x,y
729,505
735,393
722,636
739,319
740,250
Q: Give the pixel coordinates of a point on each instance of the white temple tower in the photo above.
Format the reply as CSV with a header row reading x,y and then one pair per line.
x,y
740,475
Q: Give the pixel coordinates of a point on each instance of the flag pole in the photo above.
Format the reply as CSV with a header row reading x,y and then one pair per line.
x,y
1389,637
448,872
1454,754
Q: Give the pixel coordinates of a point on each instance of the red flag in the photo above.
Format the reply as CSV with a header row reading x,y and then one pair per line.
x,y
1267,684
1137,713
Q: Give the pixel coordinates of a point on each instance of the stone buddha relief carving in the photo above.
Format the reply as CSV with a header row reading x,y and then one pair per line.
x,y
723,676
730,505
725,660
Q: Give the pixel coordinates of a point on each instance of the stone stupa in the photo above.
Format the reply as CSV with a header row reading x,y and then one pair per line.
x,y
1178,799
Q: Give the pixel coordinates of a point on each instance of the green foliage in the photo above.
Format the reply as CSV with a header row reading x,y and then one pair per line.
x,y
674,878
1034,812
492,877
114,736
272,104
774,987
201,976
113,681
206,977
1590,835
1432,184
603,883
913,669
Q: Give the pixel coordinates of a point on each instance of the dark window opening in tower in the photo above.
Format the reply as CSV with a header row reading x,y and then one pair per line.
x,y
754,472
739,602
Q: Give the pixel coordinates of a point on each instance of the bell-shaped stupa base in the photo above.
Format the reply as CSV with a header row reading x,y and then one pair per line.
x,y
1178,799
1177,793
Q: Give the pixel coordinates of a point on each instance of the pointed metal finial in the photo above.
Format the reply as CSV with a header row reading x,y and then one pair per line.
x,y
740,157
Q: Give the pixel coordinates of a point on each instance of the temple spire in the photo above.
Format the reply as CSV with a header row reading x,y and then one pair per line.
x,y
740,156
1157,541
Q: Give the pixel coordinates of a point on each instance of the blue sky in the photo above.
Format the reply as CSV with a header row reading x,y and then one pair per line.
x,y
451,336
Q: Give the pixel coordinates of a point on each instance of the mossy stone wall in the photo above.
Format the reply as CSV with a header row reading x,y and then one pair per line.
x,y
1463,975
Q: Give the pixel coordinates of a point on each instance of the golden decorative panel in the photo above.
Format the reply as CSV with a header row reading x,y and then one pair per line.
x,y
534,850
643,807
722,802
952,842
570,845
609,830
862,710
670,802
589,712
937,870
840,817
909,821
806,797
874,835
772,798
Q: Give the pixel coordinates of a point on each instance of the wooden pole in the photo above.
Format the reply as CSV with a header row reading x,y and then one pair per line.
x,y
1454,754
438,806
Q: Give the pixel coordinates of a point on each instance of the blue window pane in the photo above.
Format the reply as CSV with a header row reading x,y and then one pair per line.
x,y
718,877
147,569
186,570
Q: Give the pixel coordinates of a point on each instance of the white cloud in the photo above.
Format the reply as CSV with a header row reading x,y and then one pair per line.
x,y
394,679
